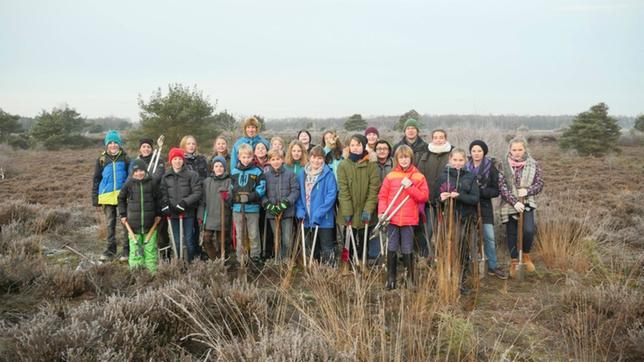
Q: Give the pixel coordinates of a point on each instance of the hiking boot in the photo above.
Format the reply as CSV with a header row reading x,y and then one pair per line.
x,y
514,265
391,271
408,260
529,265
497,272
106,256
124,255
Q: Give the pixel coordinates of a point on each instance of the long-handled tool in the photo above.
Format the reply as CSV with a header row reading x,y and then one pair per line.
x,y
133,237
264,251
222,236
148,236
303,244
315,238
382,221
346,246
182,254
483,258
386,218
202,226
154,160
430,246
521,265
277,238
353,244
172,240
450,233
364,244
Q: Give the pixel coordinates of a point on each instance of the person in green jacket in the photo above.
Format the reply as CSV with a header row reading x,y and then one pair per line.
x,y
358,184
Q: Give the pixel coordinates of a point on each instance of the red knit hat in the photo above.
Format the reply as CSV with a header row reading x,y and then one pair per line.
x,y
176,152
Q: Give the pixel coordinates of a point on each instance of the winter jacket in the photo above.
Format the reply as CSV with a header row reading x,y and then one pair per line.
x,y
296,168
463,182
181,188
488,189
358,184
419,147
510,180
252,141
110,174
139,201
211,202
248,179
281,184
323,197
384,168
158,174
418,194
198,164
432,164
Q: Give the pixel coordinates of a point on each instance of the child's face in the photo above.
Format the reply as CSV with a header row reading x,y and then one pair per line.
x,y
218,169
517,151
329,139
457,161
296,153
191,145
477,153
372,138
355,147
245,158
145,150
221,145
276,162
177,163
317,162
260,150
304,138
251,131
404,160
113,148
276,145
411,133
382,151
138,174
438,138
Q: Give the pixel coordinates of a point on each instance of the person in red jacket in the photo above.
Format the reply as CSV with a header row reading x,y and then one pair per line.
x,y
401,226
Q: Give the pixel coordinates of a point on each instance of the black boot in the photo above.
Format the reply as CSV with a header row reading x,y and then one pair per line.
x,y
408,260
391,270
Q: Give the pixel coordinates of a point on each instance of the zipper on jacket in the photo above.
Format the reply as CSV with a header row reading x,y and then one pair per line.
x,y
142,211
114,173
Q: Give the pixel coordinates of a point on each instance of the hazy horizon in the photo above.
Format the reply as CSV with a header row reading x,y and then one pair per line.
x,y
290,59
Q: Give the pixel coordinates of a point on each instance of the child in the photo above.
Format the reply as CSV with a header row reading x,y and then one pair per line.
x,y
251,137
215,192
139,201
146,146
457,183
282,191
487,178
181,194
248,187
372,135
519,182
305,137
261,156
193,160
220,148
316,204
110,174
358,185
296,157
401,225
277,143
332,150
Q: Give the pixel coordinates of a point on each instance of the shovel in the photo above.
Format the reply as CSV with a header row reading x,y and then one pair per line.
x,y
520,266
171,234
222,236
182,254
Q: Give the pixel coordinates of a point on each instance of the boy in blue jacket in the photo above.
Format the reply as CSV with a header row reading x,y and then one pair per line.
x,y
316,205
247,188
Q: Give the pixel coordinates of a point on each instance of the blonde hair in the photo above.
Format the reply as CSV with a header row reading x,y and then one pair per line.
x,y
245,148
184,141
403,150
520,140
458,151
275,153
223,139
278,139
289,156
251,121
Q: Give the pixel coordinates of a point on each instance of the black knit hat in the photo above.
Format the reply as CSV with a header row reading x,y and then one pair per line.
x,y
139,164
480,144
146,140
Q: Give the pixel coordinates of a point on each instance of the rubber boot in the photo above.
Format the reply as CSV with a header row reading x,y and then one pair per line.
x,y
514,265
408,260
391,270
529,265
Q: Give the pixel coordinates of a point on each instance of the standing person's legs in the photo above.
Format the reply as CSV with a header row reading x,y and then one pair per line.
x,y
162,238
528,230
110,218
252,223
326,242
511,236
286,236
239,235
490,246
373,248
406,235
210,244
189,237
175,234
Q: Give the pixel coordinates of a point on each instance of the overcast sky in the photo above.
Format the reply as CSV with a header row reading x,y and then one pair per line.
x,y
325,58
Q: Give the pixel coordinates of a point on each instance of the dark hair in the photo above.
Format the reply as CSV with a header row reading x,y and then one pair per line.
x,y
308,134
383,142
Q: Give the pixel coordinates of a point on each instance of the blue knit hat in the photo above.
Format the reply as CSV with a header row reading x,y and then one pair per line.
x,y
112,136
219,159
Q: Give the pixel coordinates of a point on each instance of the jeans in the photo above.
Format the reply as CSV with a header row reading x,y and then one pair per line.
x,y
188,236
528,233
111,217
252,228
286,236
324,244
373,248
490,246
419,233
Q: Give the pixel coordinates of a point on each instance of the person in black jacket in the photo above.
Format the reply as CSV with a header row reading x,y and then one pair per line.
x,y
457,183
181,194
139,207
487,178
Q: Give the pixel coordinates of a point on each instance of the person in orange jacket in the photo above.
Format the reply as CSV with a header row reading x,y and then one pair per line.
x,y
401,225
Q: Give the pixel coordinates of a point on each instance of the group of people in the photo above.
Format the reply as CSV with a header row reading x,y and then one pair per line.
x,y
267,191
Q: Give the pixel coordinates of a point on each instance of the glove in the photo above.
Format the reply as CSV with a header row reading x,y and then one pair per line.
x,y
523,192
266,205
223,194
274,209
406,182
347,220
284,204
365,217
166,210
199,221
519,207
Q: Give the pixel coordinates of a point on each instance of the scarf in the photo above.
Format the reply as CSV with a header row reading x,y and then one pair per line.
x,y
517,165
439,149
520,175
309,182
357,157
482,171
